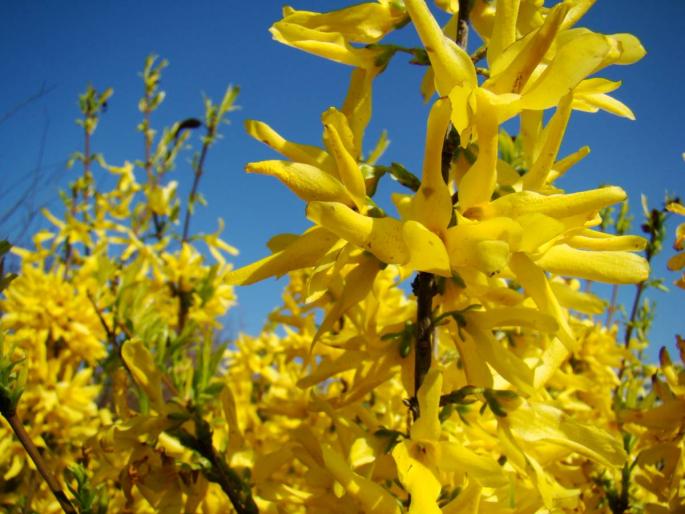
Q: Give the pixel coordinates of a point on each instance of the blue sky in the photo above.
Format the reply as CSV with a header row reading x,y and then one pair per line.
x,y
65,45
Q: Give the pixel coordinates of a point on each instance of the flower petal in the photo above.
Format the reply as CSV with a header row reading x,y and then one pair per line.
x,y
380,236
602,266
307,182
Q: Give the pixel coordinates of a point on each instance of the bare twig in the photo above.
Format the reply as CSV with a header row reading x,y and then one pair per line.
x,y
44,90
199,169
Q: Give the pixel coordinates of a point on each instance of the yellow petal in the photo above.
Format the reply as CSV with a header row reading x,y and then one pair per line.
x,y
580,301
536,177
361,23
593,102
506,363
538,230
512,69
477,186
504,28
676,208
294,151
331,45
417,478
466,502
590,240
427,427
141,365
573,62
334,119
539,422
576,12
602,266
483,468
281,241
631,48
339,140
358,283
329,367
451,6
357,106
551,360
563,165
426,249
484,245
515,317
557,206
380,236
235,436
676,262
475,368
452,65
432,204
536,285
305,251
372,497
482,17
306,181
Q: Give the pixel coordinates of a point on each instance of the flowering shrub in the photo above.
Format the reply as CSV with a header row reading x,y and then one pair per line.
x,y
492,387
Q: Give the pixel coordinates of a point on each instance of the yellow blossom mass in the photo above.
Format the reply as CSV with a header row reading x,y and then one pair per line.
x,y
493,386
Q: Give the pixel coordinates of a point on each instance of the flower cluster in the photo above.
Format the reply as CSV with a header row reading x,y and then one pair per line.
x,y
491,387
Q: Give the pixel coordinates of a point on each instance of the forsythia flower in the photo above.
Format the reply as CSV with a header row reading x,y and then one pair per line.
x,y
677,262
526,403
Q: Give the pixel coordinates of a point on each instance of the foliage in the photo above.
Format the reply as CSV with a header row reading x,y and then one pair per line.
x,y
491,387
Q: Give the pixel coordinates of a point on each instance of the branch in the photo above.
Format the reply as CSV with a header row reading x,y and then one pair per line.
x,y
424,289
424,286
220,473
38,460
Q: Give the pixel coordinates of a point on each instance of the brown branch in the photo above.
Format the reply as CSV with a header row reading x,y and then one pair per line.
x,y
38,460
463,24
424,286
220,472
424,289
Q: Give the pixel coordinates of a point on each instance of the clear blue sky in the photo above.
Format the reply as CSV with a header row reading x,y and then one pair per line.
x,y
210,44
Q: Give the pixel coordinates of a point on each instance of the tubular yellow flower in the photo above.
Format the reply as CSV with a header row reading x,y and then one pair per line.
x,y
380,236
307,182
330,34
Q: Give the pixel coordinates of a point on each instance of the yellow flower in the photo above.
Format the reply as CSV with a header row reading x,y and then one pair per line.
x,y
423,457
330,34
677,262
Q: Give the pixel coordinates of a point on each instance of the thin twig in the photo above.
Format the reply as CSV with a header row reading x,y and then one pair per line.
x,y
68,250
611,310
199,169
14,110
633,313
